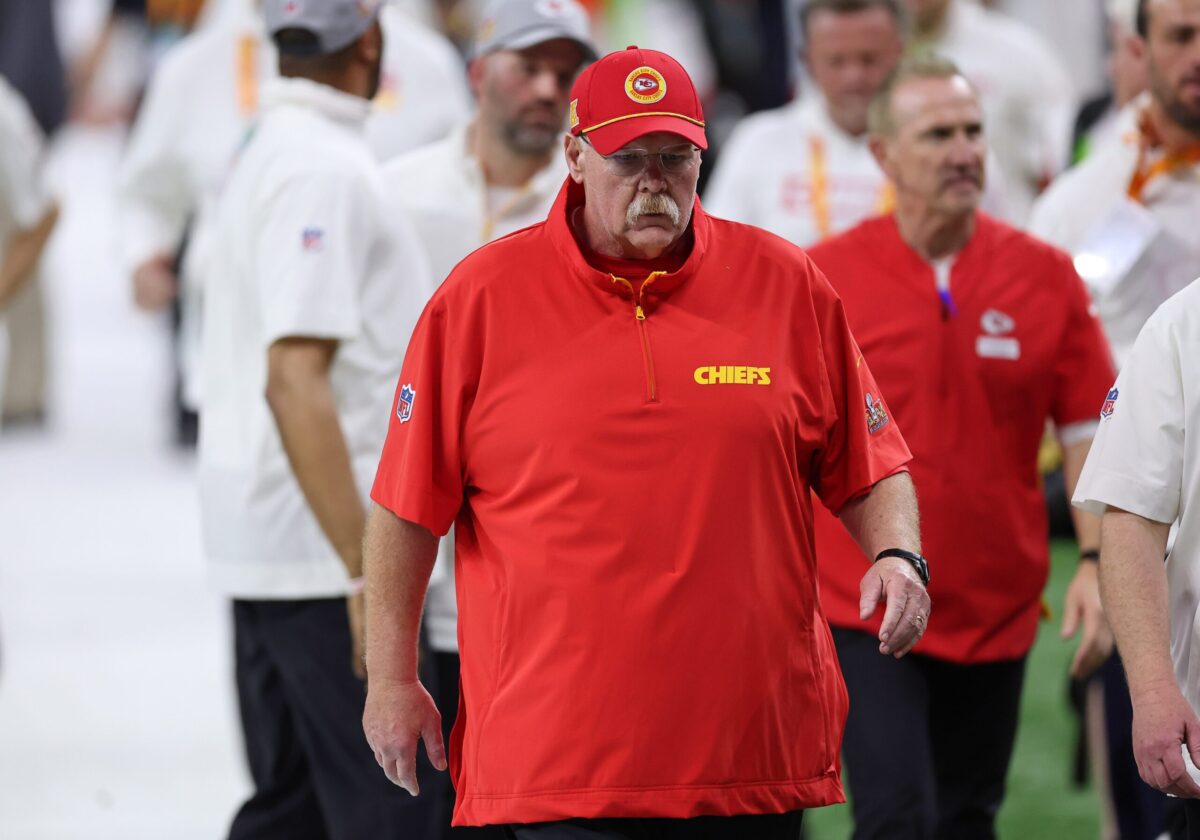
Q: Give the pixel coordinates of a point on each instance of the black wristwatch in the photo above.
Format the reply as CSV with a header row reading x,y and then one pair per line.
x,y
917,561
1092,555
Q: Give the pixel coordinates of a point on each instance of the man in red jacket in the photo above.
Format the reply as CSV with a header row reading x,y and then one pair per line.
x,y
624,411
978,334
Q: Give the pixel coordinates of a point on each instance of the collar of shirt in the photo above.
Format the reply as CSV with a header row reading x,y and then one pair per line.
x,y
545,181
657,287
342,108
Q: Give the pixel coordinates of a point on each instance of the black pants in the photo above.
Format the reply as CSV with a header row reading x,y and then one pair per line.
x,y
928,742
744,827
315,777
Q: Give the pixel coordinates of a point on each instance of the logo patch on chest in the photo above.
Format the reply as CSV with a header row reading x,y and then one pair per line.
x,y
877,416
732,375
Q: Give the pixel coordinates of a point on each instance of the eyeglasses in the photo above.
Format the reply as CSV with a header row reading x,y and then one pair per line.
x,y
628,162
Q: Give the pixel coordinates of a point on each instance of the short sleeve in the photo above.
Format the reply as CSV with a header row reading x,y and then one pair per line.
x,y
1083,368
22,192
420,475
1136,457
311,256
863,445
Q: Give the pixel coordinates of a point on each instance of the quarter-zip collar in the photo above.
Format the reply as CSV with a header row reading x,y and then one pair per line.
x,y
345,109
657,287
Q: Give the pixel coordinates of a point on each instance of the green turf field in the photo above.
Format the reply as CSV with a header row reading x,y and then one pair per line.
x,y
1041,804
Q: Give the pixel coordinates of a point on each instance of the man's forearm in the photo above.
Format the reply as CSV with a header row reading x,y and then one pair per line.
x,y
886,517
1087,526
21,255
399,557
305,412
1133,585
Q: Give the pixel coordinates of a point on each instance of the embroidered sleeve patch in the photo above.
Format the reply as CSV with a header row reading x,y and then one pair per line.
x,y
1110,404
404,405
877,416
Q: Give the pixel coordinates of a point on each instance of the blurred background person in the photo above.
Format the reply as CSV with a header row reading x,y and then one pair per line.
x,y
201,103
495,174
1105,118
805,171
27,213
1027,99
310,298
1128,214
979,334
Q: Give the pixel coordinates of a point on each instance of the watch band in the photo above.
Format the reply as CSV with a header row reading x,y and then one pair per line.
x,y
1091,555
915,560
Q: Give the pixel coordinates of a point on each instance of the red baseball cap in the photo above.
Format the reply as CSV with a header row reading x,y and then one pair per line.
x,y
633,92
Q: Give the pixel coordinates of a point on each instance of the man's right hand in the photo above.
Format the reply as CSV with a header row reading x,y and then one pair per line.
x,y
398,714
894,582
155,284
1162,720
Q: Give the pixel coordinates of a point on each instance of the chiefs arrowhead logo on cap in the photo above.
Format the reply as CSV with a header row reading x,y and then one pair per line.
x,y
645,85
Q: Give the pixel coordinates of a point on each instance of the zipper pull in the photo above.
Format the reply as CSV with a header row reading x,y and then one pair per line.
x,y
638,313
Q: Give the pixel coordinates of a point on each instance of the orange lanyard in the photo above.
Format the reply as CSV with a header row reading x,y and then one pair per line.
x,y
247,75
818,195
1146,171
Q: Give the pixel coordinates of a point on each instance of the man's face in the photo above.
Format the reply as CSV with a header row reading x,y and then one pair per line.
x,y
523,94
935,157
926,13
644,212
849,55
1173,59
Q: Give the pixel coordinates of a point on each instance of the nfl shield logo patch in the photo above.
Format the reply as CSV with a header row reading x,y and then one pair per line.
x,y
404,405
1110,402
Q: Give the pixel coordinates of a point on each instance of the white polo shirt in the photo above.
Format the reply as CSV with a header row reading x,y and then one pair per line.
x,y
1027,98
1132,255
1145,459
441,190
23,197
792,171
199,106
305,245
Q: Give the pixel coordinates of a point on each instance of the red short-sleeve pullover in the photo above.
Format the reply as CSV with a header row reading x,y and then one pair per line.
x,y
972,381
630,482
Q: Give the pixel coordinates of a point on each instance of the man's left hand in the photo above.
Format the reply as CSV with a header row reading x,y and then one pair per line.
x,y
895,581
1082,607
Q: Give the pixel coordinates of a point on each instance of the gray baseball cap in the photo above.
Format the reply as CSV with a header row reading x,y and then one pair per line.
x,y
335,24
517,24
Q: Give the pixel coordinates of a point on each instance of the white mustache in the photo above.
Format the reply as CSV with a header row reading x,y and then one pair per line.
x,y
652,204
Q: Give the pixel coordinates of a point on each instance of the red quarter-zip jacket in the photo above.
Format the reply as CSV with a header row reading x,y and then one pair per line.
x,y
630,481
972,378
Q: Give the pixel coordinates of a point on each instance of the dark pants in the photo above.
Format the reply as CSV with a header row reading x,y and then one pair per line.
x,y
743,827
315,777
928,742
1191,809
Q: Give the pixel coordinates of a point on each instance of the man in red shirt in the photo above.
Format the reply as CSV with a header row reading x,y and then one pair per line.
x,y
624,411
978,334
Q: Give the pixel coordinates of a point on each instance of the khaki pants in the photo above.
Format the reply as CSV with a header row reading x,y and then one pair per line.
x,y
25,389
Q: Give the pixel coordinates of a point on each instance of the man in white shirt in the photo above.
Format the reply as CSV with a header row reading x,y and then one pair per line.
x,y
309,304
199,107
496,174
27,213
1128,212
805,171
1143,476
1028,102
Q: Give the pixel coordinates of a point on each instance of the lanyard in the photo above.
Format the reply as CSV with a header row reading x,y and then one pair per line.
x,y
818,195
247,75
1146,171
490,216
